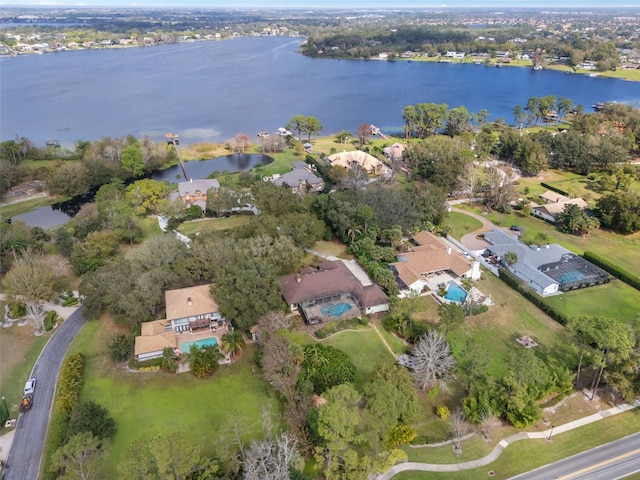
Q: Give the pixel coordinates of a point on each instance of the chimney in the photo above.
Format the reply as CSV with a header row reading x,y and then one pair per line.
x,y
298,278
189,302
448,250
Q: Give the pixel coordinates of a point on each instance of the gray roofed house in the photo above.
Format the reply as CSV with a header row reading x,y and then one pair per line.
x,y
547,269
302,179
194,192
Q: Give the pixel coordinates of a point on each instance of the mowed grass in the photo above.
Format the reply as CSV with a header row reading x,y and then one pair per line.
x,y
461,224
512,317
208,225
615,299
526,455
147,404
18,208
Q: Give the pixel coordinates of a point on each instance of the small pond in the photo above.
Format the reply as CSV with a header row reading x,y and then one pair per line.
x,y
238,162
58,213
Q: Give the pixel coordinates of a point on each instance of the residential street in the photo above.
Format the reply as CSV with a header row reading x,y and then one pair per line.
x,y
26,450
612,461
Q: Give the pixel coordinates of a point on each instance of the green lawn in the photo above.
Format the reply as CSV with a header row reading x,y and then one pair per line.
x,y
365,349
513,316
145,404
614,300
462,224
208,225
526,455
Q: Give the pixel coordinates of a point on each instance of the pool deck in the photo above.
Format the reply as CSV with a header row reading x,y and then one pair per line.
x,y
202,334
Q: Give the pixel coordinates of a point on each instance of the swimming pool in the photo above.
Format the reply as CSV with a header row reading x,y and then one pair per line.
x,y
455,293
335,309
186,346
572,276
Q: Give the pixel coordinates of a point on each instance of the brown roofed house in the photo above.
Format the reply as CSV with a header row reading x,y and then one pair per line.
x,y
332,291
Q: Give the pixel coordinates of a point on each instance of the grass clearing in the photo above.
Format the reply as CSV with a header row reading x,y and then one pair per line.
x,y
208,225
513,316
146,404
461,224
334,248
526,455
615,299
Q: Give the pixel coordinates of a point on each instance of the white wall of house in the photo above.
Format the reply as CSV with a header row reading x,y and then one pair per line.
x,y
377,308
544,216
149,355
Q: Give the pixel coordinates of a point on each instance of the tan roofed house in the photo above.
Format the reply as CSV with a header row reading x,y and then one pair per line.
x,y
359,158
192,314
431,256
550,211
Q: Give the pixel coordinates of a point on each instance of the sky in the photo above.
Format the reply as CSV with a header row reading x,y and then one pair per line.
x,y
333,3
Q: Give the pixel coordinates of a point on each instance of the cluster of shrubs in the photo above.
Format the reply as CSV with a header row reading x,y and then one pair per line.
x,y
50,320
554,189
471,309
68,299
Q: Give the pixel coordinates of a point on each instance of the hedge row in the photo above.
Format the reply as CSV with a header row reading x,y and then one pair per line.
x,y
69,384
510,279
614,269
555,189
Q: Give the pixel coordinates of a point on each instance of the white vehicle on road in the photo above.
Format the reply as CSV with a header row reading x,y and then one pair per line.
x,y
30,386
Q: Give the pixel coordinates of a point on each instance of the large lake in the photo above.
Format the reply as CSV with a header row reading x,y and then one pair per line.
x,y
210,91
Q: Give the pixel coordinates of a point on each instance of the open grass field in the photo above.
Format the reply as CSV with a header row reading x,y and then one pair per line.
x,y
512,317
207,225
526,455
461,223
615,299
146,404
332,248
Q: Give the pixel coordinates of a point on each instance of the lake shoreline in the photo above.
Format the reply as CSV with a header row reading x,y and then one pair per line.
x,y
561,68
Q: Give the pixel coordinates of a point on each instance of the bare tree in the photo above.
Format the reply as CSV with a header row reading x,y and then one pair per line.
x,y
488,422
32,279
459,427
281,364
271,322
434,361
272,457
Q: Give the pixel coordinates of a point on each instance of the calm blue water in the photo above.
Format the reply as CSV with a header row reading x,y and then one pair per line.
x,y
336,309
203,168
185,346
456,293
214,90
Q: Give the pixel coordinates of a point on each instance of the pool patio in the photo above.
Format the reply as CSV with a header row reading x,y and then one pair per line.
x,y
313,313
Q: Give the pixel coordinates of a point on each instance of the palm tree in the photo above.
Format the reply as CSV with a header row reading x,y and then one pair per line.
x,y
233,342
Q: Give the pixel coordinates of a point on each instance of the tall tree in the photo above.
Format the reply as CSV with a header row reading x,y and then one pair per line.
x,y
451,316
233,342
80,457
32,278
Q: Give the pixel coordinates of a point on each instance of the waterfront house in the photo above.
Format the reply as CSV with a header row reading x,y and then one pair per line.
x,y
301,179
358,158
194,192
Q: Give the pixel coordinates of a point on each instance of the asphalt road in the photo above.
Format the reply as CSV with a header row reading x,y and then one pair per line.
x,y
26,450
611,461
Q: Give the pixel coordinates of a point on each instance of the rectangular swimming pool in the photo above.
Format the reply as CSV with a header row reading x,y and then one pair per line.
x,y
186,346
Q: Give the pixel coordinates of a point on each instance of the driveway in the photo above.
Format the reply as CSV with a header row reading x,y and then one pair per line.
x,y
26,450
469,240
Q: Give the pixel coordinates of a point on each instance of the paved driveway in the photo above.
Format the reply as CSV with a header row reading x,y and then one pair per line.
x,y
26,450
